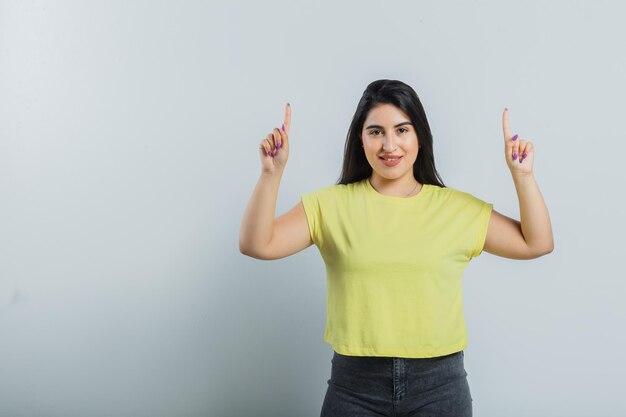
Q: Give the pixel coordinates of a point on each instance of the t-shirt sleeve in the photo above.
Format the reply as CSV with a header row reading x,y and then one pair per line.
x,y
311,204
481,222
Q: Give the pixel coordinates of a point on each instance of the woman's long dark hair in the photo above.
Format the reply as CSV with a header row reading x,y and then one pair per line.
x,y
356,166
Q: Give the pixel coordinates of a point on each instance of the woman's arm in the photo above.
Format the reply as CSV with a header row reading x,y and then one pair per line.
x,y
258,218
528,239
260,235
532,236
534,217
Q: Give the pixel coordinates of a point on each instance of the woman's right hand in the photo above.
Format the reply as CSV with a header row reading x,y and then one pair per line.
x,y
274,149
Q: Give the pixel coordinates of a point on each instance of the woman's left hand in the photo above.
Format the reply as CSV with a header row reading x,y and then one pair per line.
x,y
517,151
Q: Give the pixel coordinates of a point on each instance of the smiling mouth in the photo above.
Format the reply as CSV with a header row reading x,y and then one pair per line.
x,y
390,159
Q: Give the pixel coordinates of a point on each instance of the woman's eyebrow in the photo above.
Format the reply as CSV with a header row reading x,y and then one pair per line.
x,y
398,125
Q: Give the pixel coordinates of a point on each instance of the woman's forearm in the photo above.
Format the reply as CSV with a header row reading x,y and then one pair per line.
x,y
258,219
534,217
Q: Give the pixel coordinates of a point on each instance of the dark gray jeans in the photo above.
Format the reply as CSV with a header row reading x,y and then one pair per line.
x,y
363,386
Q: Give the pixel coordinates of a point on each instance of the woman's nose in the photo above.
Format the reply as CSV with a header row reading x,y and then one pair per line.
x,y
389,143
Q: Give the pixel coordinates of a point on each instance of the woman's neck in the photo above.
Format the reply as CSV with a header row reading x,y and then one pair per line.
x,y
399,187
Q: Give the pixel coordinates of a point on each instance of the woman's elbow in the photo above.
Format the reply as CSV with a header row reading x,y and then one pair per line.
x,y
254,254
246,250
538,253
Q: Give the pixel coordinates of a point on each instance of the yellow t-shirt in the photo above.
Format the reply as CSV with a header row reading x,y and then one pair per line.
x,y
394,266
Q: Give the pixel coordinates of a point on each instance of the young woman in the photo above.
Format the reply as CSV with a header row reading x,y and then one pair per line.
x,y
395,241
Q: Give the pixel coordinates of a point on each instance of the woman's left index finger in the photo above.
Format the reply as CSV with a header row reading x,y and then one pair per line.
x,y
505,123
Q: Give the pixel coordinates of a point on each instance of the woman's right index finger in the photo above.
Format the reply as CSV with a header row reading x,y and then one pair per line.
x,y
287,117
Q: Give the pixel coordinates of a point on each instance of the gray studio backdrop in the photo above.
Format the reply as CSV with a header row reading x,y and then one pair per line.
x,y
128,152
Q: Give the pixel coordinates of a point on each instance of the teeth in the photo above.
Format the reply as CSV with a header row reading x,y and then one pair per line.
x,y
391,159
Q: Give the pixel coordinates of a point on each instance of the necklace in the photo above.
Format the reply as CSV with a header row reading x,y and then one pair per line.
x,y
414,188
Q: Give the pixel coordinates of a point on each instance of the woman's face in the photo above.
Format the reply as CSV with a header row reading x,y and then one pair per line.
x,y
387,132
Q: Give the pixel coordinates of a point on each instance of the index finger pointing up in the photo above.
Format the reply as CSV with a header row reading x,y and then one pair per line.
x,y
287,117
505,123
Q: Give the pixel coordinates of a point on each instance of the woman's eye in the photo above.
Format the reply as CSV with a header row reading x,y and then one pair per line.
x,y
402,129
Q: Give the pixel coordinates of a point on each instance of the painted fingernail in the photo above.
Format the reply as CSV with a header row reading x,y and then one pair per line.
x,y
524,156
514,156
278,145
283,127
514,137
